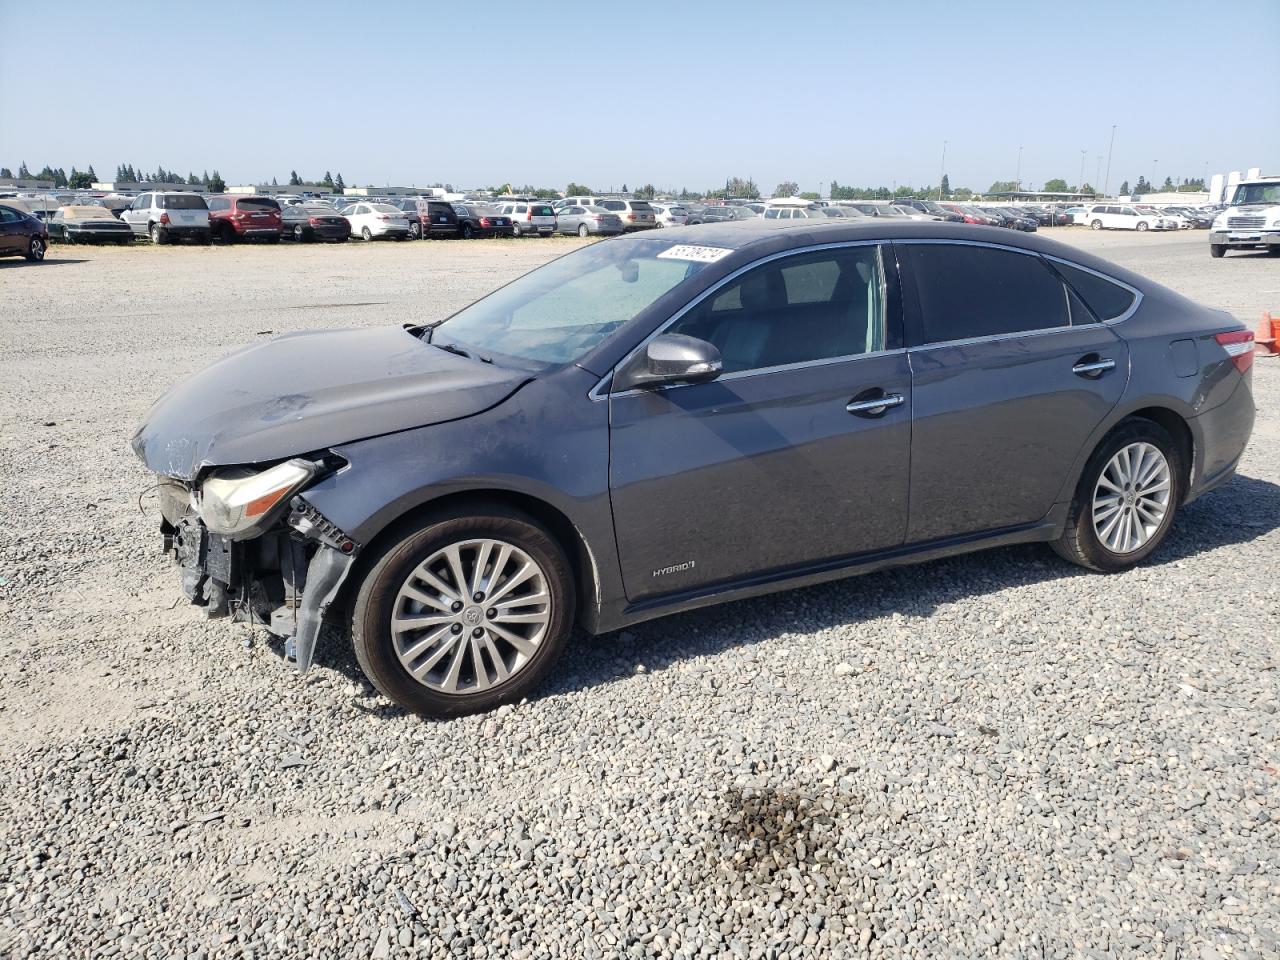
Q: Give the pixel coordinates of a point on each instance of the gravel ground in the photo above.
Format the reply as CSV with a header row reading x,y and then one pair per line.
x,y
994,755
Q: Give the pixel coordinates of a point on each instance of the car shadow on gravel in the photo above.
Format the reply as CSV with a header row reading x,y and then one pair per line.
x,y
13,264
1240,511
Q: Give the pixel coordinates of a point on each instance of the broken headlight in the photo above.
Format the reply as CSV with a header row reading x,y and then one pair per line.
x,y
238,501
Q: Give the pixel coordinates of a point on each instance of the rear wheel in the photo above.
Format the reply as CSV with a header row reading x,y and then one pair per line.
x,y
464,612
1217,250
157,235
366,233
1096,225
415,230
467,231
299,233
515,229
583,231
36,250
1273,251
1126,499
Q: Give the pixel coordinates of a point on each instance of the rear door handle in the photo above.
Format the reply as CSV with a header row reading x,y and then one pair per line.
x,y
1093,368
874,406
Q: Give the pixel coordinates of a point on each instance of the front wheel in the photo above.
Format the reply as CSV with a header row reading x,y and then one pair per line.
x,y
1142,227
1126,500
1096,225
464,612
36,250
1217,250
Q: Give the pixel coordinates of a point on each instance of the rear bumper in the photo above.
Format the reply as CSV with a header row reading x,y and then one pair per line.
x,y
1221,435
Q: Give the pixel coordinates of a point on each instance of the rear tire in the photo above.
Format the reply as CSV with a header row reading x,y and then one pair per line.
x,y
386,655
467,231
515,229
1142,227
583,232
1095,505
157,235
415,231
299,233
366,233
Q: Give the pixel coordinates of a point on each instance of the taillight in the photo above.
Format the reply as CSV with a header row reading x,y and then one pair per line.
x,y
384,216
631,216
1239,347
484,221
164,218
314,221
530,217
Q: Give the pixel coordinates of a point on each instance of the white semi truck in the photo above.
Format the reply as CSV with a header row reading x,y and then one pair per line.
x,y
1251,221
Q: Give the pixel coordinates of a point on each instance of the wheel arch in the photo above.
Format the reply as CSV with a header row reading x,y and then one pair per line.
x,y
582,560
1175,423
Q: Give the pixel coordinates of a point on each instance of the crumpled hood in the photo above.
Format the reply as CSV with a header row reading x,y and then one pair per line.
x,y
307,391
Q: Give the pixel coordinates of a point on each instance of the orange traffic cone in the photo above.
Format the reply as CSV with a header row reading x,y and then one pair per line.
x,y
1268,338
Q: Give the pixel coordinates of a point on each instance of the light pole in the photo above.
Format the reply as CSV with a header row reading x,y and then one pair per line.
x,y
1106,184
943,170
1154,165
1017,177
1080,182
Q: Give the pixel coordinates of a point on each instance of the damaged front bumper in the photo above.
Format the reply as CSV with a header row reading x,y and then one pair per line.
x,y
284,580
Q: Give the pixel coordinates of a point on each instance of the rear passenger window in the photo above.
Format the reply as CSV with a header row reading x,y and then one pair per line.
x,y
1106,299
971,291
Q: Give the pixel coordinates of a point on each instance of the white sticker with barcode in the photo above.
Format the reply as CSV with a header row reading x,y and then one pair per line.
x,y
688,251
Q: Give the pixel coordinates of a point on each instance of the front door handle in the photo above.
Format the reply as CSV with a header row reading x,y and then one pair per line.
x,y
874,406
1093,368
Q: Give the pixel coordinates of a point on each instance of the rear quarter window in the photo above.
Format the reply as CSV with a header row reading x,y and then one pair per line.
x,y
1106,299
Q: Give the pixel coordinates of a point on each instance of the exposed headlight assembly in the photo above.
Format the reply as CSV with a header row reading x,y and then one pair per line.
x,y
238,501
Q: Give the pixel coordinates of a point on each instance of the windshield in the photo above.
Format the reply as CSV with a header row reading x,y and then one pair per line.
x,y
560,311
1256,193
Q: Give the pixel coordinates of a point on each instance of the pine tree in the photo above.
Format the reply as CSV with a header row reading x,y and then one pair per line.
x,y
294,179
6,172
92,173
338,183
23,172
946,185
327,181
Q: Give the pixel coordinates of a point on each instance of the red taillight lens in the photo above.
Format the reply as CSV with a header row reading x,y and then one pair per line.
x,y
313,221
384,216
164,218
631,216
1239,347
529,217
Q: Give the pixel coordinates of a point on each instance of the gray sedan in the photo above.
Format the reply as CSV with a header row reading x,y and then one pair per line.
x,y
587,221
680,418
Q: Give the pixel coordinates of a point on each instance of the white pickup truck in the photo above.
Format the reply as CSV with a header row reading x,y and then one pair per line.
x,y
1252,220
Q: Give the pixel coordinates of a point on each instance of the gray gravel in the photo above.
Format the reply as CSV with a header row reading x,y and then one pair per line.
x,y
993,755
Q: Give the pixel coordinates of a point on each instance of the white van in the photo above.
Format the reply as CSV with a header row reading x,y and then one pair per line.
x,y
1123,216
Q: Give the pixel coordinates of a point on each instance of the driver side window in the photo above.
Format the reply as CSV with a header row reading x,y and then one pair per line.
x,y
796,309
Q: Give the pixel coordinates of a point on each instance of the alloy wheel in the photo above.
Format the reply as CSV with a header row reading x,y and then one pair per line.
x,y
36,250
471,616
1131,497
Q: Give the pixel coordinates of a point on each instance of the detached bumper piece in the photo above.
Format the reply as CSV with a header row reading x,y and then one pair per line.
x,y
284,580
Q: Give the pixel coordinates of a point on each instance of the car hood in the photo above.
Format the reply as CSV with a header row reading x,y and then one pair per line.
x,y
304,392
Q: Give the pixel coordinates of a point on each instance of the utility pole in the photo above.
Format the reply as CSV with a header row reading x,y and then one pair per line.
x,y
1106,184
943,172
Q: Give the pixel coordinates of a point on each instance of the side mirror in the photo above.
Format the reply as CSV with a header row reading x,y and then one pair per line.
x,y
671,358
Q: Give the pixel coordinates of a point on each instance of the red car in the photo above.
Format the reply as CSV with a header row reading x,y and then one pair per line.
x,y
244,218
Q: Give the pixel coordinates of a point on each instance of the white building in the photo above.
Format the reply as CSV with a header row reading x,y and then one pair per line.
x,y
133,189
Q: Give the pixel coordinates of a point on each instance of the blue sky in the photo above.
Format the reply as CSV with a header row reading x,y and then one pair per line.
x,y
607,93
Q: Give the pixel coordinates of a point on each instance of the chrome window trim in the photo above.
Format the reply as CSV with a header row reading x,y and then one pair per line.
x,y
600,391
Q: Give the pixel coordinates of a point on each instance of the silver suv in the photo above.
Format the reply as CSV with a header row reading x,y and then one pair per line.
x,y
165,217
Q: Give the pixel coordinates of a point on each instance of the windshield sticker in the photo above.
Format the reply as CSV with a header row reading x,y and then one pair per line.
x,y
686,251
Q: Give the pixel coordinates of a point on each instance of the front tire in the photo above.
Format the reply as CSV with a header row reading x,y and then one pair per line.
x,y
36,250
1217,250
1096,225
1142,227
1126,500
464,612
